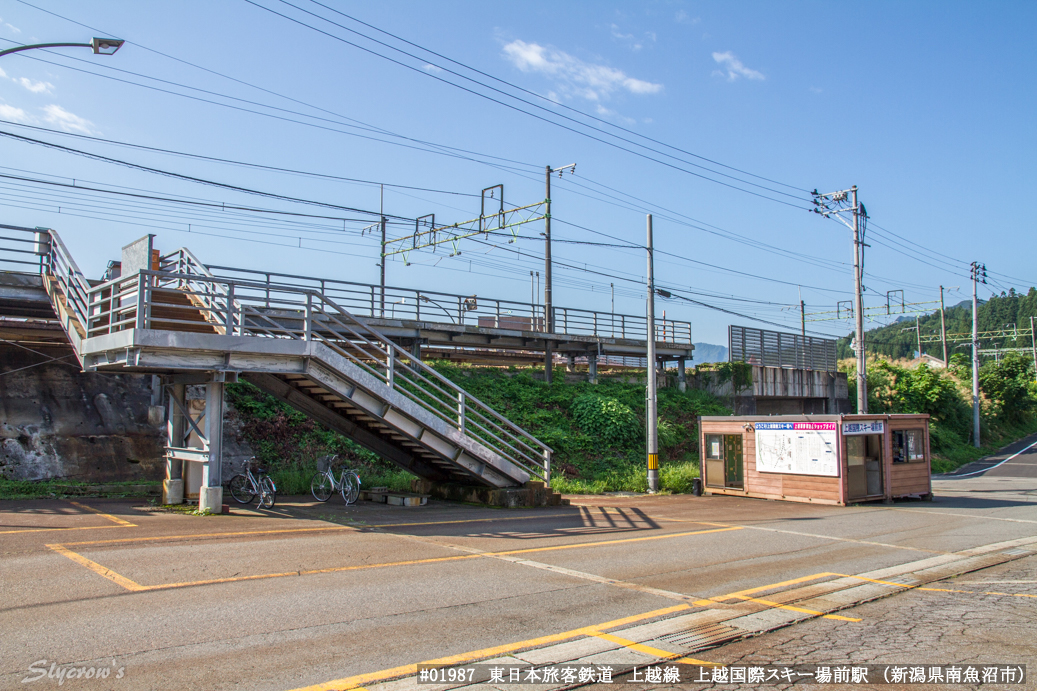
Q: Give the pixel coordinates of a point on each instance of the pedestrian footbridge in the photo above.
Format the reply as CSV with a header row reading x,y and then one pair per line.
x,y
171,316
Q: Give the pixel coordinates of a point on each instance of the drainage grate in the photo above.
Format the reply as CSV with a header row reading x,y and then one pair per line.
x,y
702,636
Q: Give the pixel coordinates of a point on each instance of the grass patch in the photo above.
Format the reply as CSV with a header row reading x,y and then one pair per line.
x,y
60,488
674,478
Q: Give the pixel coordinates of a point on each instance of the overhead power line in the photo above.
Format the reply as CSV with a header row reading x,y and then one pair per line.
x,y
520,110
189,178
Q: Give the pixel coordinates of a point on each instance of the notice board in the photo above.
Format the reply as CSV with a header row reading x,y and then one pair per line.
x,y
798,448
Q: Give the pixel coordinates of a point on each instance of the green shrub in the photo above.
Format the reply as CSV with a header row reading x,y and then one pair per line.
x,y
607,420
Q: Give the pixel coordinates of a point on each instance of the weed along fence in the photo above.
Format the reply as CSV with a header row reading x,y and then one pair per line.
x,y
824,459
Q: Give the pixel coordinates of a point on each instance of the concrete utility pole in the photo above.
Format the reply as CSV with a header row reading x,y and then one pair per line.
x,y
862,360
943,330
381,282
831,205
653,420
1033,345
549,317
979,274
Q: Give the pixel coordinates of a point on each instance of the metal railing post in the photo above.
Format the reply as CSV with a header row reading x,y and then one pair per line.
x,y
141,300
461,409
547,467
390,368
308,326
230,309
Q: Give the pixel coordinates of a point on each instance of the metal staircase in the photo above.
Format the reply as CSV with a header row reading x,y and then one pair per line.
x,y
179,320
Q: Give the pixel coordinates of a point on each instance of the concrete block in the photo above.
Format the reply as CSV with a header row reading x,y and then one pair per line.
x,y
211,499
173,491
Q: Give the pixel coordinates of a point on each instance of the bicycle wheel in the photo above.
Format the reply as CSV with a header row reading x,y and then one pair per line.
x,y
347,487
267,493
241,489
354,492
321,486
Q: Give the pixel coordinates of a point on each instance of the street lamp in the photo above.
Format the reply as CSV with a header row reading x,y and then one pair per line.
x,y
100,46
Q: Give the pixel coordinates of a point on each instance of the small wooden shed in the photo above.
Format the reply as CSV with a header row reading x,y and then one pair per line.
x,y
823,459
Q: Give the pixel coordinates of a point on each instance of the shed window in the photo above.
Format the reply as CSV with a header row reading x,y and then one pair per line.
x,y
908,446
715,447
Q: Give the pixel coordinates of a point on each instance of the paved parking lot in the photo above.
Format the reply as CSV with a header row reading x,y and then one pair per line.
x,y
310,594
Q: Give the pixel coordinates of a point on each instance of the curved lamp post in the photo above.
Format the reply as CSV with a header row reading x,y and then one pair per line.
x,y
100,46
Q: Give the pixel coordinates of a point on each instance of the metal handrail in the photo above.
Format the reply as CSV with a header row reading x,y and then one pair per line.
x,y
242,308
364,299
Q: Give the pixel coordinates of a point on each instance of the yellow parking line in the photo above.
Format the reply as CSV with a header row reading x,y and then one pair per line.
x,y
355,682
794,581
793,608
241,533
98,569
649,650
361,567
46,530
113,519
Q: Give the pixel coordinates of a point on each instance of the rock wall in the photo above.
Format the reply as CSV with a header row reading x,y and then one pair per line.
x,y
59,422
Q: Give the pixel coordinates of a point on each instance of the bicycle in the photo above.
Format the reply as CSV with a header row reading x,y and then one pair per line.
x,y
255,482
323,483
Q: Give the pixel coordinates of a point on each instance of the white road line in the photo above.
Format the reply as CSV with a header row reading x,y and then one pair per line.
x,y
977,472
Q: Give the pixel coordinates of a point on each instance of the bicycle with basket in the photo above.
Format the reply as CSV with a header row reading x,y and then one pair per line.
x,y
324,484
254,482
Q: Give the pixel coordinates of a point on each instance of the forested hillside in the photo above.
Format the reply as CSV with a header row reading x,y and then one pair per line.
x,y
1000,311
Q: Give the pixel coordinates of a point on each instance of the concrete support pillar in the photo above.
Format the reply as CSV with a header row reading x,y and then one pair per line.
x,y
592,368
211,495
176,427
682,376
415,349
570,363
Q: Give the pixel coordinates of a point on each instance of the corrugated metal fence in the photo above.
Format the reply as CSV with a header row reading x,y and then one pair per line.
x,y
777,349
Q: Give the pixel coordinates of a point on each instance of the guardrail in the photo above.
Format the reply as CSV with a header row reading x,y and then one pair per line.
x,y
366,300
191,299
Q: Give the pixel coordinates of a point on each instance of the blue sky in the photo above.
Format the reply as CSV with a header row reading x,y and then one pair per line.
x,y
927,107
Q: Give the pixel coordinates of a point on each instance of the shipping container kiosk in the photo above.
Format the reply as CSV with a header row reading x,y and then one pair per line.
x,y
822,459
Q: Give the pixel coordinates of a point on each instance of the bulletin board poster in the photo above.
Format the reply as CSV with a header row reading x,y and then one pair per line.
x,y
797,448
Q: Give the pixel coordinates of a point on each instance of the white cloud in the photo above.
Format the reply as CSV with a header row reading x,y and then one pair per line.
x,y
14,114
816,89
732,67
572,76
3,74
609,113
432,69
35,87
69,122
13,28
629,39
683,17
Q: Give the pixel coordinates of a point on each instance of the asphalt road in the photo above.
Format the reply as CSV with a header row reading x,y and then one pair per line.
x,y
309,593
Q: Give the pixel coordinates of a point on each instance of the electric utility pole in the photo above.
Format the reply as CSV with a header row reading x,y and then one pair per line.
x,y
1033,345
831,205
549,317
979,275
381,281
653,421
943,330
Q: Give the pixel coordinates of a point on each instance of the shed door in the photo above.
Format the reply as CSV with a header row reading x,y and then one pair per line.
x,y
733,460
